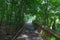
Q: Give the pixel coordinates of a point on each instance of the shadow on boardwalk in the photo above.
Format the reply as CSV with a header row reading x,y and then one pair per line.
x,y
29,35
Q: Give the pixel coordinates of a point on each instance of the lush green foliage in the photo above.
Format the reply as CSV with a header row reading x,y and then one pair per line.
x,y
15,12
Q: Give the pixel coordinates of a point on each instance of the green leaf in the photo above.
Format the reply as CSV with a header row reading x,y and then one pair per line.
x,y
52,38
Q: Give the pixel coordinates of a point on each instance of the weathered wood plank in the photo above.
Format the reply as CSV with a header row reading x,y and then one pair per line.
x,y
52,32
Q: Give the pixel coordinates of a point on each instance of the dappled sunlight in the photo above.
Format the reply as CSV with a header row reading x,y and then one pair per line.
x,y
57,21
30,35
24,35
36,32
19,19
31,19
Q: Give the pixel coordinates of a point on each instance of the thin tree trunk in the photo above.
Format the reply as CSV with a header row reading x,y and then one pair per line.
x,y
46,13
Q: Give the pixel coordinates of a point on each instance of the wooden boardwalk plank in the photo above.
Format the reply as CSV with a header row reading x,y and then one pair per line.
x,y
29,35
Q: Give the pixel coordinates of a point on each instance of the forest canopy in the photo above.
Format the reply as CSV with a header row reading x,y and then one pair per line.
x,y
16,12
